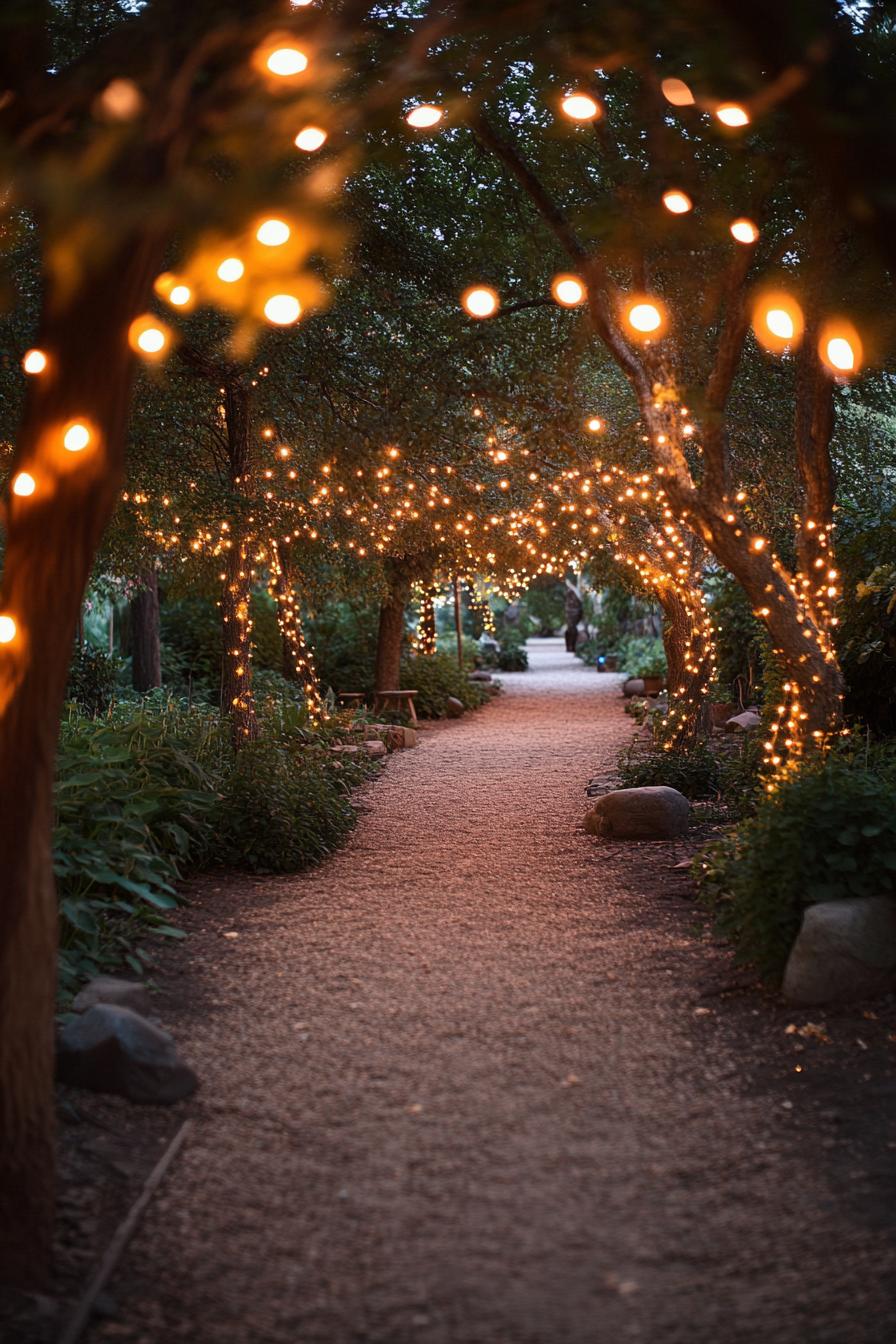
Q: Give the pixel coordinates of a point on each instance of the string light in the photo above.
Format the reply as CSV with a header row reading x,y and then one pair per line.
x,y
287,62
840,347
677,202
644,317
34,361
581,107
273,232
23,484
568,290
744,230
733,114
310,138
778,321
8,629
424,116
481,301
230,270
676,92
76,437
283,310
147,336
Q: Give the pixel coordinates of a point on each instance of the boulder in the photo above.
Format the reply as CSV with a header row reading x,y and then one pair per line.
x,y
633,686
107,989
454,707
374,746
652,813
743,723
112,1049
480,675
844,950
395,735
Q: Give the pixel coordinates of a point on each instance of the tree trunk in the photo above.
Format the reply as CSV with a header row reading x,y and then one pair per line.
x,y
458,622
391,630
426,627
146,653
237,700
52,536
298,662
687,640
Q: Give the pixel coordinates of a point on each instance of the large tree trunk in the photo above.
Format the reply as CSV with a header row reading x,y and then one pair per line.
x,y
298,662
146,652
237,700
426,626
52,536
687,640
391,630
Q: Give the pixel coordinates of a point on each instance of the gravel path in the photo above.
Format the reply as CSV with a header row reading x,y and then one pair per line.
x,y
456,1089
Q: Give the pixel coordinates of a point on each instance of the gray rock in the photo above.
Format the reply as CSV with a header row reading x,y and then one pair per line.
x,y
107,989
454,707
480,675
652,813
633,686
112,1049
374,746
744,723
844,950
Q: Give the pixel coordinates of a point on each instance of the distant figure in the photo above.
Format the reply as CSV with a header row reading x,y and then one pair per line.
x,y
574,611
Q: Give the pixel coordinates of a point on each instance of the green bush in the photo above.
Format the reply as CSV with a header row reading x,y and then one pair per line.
x,y
92,680
436,677
694,772
643,656
827,833
513,658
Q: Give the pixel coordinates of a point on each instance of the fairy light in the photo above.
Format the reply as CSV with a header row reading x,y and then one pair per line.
x,y
743,230
287,62
24,484
424,116
568,290
230,270
273,232
581,107
8,629
778,321
180,296
310,139
76,437
644,317
676,92
840,347
480,301
34,362
283,310
733,114
677,202
147,336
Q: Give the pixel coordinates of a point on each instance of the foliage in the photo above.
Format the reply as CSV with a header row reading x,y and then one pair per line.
x,y
343,636
544,605
513,658
867,634
827,833
643,656
92,679
192,643
694,772
738,640
436,677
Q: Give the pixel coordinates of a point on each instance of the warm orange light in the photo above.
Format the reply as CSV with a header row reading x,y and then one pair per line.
x,y
286,62
594,425
676,92
778,321
34,361
121,100
283,310
481,301
840,347
23,484
231,270
733,114
744,230
568,290
7,629
581,107
645,317
310,138
273,232
180,296
424,117
147,336
76,437
677,202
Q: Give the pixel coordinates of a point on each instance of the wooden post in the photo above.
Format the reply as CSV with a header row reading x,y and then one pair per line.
x,y
458,624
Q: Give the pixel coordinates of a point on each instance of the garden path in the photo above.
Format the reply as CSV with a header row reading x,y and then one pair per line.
x,y
457,1088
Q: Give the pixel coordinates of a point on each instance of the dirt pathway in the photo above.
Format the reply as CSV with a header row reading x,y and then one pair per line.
x,y
457,1090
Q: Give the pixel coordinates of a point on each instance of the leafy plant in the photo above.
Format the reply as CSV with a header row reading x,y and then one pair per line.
x,y
92,679
643,656
827,833
513,658
436,677
694,772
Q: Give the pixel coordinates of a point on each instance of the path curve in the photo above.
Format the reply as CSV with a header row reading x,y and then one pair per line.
x,y
455,1090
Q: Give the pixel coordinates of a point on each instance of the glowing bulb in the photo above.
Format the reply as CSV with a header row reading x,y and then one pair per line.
x,y
840,347
480,301
733,114
7,629
676,92
283,310
231,270
744,230
644,317
23,484
310,138
273,232
34,361
568,290
780,323
581,107
121,100
424,116
180,295
76,437
287,61
677,202
594,425
151,340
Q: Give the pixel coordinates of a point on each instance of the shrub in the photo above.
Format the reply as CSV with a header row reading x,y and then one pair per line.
x,y
643,656
694,772
513,658
436,677
827,833
92,680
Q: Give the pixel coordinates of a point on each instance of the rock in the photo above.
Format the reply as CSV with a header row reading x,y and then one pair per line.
x,y
454,707
345,749
743,723
480,675
107,989
112,1049
374,746
633,686
395,735
652,813
844,950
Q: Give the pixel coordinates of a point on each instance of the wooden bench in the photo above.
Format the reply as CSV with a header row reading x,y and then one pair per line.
x,y
351,699
397,700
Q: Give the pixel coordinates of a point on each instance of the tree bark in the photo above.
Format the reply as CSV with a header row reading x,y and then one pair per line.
x,y
52,536
687,641
390,635
146,652
237,701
